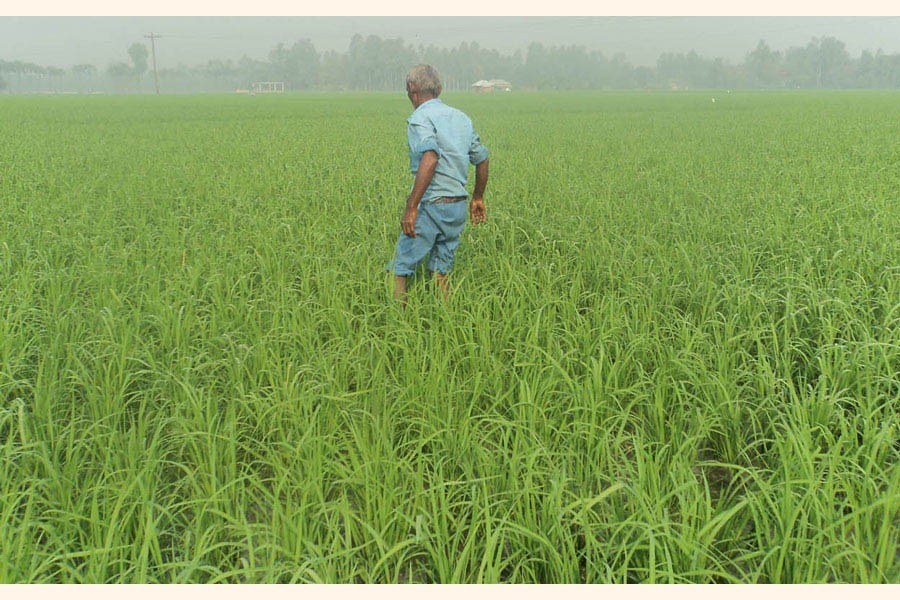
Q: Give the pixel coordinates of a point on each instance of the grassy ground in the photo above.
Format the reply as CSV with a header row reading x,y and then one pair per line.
x,y
671,355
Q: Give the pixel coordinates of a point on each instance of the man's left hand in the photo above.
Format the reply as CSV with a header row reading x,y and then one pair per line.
x,y
408,222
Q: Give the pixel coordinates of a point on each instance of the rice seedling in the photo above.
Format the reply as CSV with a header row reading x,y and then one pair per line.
x,y
671,355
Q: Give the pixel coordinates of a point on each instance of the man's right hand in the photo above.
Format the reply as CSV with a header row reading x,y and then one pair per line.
x,y
477,211
408,222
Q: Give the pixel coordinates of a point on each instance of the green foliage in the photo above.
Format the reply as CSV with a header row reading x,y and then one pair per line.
x,y
298,66
138,54
119,70
375,64
671,355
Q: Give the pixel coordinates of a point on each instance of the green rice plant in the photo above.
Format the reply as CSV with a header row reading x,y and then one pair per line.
x,y
671,355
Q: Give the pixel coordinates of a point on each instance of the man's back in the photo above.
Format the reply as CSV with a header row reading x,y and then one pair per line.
x,y
448,132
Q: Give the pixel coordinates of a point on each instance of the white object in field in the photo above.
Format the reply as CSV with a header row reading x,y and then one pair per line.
x,y
714,100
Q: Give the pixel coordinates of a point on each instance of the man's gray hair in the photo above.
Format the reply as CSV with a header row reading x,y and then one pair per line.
x,y
425,79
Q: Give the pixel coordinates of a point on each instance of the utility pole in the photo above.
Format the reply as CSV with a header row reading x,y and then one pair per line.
x,y
153,39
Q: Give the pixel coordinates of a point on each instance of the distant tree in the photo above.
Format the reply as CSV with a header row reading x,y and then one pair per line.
x,y
799,71
333,71
693,71
84,70
397,58
537,72
250,70
640,77
763,66
54,78
434,55
364,58
834,63
723,75
864,71
3,84
297,65
119,70
10,68
27,68
309,63
887,67
375,63
279,62
218,75
138,54
821,63
679,70
217,69
122,75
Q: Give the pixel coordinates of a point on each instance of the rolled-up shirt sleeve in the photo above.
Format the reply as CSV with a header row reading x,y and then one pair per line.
x,y
422,138
477,151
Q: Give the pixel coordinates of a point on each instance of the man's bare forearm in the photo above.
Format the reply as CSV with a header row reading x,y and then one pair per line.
x,y
481,178
424,175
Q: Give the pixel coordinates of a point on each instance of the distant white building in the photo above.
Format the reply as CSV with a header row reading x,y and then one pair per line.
x,y
489,86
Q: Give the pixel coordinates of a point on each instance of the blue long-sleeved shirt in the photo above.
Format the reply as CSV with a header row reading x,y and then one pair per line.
x,y
449,132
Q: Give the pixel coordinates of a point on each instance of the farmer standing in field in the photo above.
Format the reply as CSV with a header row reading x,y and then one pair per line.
x,y
442,143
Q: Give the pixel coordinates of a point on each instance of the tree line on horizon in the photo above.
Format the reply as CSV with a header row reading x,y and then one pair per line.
x,y
372,63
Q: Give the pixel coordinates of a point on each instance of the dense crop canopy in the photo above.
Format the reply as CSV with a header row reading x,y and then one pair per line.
x,y
671,355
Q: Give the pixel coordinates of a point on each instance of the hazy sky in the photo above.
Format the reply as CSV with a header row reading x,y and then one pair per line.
x,y
66,41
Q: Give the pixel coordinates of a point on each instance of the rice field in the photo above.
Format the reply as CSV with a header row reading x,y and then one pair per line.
x,y
671,355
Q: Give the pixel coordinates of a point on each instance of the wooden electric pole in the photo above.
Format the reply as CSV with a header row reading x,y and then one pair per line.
x,y
153,39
